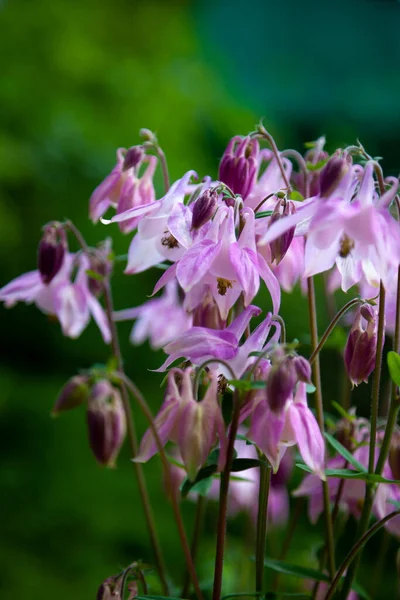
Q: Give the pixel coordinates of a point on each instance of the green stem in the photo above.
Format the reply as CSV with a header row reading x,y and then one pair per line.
x,y
168,478
355,551
370,487
263,133
320,418
303,166
194,547
331,327
263,493
134,446
223,500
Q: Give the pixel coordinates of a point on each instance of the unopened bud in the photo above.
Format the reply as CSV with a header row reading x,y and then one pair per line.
x,y
204,208
100,266
394,454
360,350
238,166
207,315
302,368
52,248
346,434
74,393
108,590
106,422
281,244
133,157
280,384
332,174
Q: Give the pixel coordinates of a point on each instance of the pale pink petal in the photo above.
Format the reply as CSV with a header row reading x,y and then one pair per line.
x,y
196,262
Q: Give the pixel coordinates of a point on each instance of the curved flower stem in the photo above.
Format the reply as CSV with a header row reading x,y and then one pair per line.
x,y
223,500
278,319
303,166
263,493
320,418
81,240
168,478
133,443
370,487
331,327
263,133
204,365
164,166
194,547
356,549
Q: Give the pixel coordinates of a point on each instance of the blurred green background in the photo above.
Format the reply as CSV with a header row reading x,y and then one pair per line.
x,y
79,79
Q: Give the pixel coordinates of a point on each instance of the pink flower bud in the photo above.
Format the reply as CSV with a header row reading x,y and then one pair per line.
x,y
101,267
74,393
207,315
280,384
204,208
52,249
302,368
360,350
108,590
346,434
332,174
133,157
281,244
238,166
106,422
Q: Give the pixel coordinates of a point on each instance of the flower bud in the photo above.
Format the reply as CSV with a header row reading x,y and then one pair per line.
x,y
346,434
74,393
101,267
360,350
51,252
394,454
204,208
106,422
133,157
238,166
280,384
302,368
207,315
332,174
281,244
108,590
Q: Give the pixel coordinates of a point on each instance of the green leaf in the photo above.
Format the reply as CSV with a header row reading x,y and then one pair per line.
x,y
349,474
342,412
345,453
393,360
151,597
204,473
296,196
263,213
242,464
202,487
306,573
240,436
244,385
94,275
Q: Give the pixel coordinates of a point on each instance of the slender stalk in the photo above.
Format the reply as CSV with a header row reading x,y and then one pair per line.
x,y
263,133
331,327
303,166
223,500
355,551
168,478
320,418
370,488
81,240
134,446
194,547
289,537
164,166
263,493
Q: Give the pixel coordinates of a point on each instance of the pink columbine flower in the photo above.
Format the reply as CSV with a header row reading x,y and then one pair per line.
x,y
239,165
123,188
273,432
71,301
161,320
224,264
195,426
199,344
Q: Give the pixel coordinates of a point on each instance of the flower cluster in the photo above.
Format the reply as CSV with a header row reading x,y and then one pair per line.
x,y
237,399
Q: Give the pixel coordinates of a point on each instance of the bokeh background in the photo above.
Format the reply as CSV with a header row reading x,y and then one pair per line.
x,y
79,79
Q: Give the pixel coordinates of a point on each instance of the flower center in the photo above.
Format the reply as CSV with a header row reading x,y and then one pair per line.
x,y
169,241
223,285
346,246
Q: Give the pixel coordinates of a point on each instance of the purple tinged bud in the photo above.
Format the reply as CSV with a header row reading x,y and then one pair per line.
x,y
207,315
281,244
302,368
107,590
239,164
360,350
332,174
51,252
133,157
346,434
394,454
280,384
204,208
100,266
74,393
106,422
